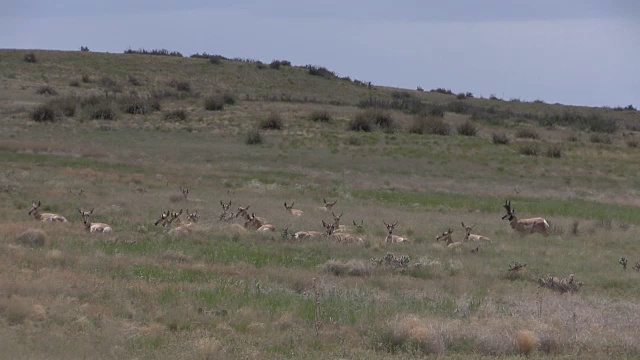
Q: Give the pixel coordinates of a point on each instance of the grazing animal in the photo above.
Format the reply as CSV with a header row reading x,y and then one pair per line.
x,y
446,237
44,217
525,226
394,239
292,211
93,227
473,237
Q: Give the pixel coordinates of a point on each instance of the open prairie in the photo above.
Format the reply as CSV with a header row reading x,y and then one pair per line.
x,y
122,134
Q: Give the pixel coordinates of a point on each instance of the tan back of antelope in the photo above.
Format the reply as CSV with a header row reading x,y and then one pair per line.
x,y
394,239
291,210
310,234
525,226
91,226
44,217
244,213
473,237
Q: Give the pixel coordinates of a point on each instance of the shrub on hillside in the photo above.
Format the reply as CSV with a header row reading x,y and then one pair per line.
x,y
100,109
277,64
360,123
458,107
320,71
181,85
530,149
86,78
139,106
133,81
253,137
228,98
84,48
74,83
442,91
500,139
178,114
214,103
65,105
30,58
554,151
44,113
467,128
429,125
32,238
320,116
46,90
271,122
597,138
632,143
158,52
527,133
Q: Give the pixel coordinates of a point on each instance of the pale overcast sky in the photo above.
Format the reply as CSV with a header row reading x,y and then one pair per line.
x,y
569,51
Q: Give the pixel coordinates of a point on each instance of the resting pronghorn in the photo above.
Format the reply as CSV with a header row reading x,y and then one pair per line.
x,y
192,217
359,227
259,225
473,237
93,227
244,212
394,238
341,237
45,217
174,217
225,210
291,210
446,237
525,226
309,234
327,205
336,223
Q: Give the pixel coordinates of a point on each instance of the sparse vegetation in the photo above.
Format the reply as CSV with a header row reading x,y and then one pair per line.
x,y
500,138
253,137
529,149
32,238
44,113
158,52
272,122
320,71
133,81
467,128
429,125
30,58
139,106
181,85
214,103
46,90
320,116
554,151
177,115
598,138
527,133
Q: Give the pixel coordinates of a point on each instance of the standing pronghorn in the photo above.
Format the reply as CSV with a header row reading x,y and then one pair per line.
x,y
224,216
473,237
44,217
93,227
525,226
291,210
446,237
394,238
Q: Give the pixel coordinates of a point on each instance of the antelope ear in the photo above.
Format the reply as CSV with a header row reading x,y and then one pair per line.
x,y
91,212
221,203
80,211
463,225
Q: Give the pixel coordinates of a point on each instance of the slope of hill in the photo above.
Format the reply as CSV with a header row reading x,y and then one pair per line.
x,y
125,133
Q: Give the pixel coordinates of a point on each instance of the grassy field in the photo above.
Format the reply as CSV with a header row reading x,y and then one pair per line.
x,y
140,130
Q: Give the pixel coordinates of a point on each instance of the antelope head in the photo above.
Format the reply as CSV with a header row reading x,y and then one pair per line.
x,y
446,236
244,212
34,208
328,205
174,216
336,219
390,227
185,191
289,207
85,217
359,226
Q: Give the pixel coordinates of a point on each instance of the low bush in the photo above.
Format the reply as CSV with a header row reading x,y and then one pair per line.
x,y
86,79
103,109
442,91
44,113
598,138
139,106
271,122
320,71
530,149
181,85
74,83
32,238
253,137
554,151
214,103
178,114
46,90
229,98
65,105
84,48
30,58
500,139
632,143
158,52
429,125
133,81
320,116
527,133
467,128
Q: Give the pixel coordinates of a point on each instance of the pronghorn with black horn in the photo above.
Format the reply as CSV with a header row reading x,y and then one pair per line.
x,y
473,237
341,237
394,239
446,237
327,205
224,216
91,226
164,218
258,225
44,217
525,226
291,210
244,213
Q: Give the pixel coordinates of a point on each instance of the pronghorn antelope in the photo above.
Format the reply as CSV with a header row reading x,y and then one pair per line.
x,y
336,223
185,192
525,226
310,234
327,205
291,210
341,237
192,217
164,218
473,237
44,217
93,227
224,216
258,225
446,237
359,227
244,212
394,238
